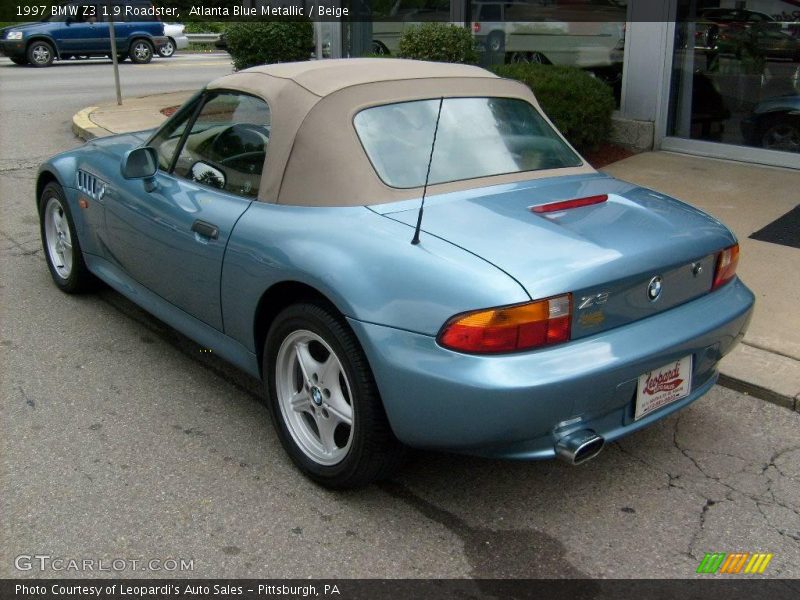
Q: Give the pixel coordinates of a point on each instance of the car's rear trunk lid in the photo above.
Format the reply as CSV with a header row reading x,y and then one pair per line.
x,y
607,254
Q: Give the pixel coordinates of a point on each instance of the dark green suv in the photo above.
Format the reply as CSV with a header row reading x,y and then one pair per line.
x,y
81,29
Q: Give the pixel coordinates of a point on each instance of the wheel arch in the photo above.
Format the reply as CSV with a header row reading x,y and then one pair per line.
x,y
273,300
384,49
135,37
42,38
45,177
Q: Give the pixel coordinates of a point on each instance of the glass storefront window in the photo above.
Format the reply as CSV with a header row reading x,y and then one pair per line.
x,y
376,25
589,34
736,74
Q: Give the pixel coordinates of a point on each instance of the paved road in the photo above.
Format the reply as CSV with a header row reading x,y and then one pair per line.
x,y
120,439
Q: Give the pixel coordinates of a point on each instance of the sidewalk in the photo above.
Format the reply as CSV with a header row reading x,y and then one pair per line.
x,y
136,114
744,197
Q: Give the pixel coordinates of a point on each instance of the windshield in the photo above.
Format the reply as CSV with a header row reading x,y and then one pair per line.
x,y
477,137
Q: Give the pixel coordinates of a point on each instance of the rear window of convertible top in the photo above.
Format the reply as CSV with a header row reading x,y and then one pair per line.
x,y
477,137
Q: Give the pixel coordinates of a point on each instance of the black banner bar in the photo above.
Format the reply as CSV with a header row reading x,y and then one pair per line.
x,y
364,11
702,588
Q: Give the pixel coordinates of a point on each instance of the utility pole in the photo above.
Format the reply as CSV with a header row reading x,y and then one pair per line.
x,y
114,58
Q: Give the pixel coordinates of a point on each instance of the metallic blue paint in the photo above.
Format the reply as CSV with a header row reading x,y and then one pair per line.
x,y
480,248
510,405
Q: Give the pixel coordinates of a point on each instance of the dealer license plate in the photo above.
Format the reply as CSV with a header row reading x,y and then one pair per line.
x,y
663,386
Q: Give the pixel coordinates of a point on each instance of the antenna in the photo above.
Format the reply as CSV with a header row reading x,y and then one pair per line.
x,y
415,239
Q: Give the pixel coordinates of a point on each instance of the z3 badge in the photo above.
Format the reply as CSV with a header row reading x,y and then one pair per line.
x,y
595,300
592,318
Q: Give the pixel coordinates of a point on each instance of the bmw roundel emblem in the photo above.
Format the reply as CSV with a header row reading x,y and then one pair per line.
x,y
654,288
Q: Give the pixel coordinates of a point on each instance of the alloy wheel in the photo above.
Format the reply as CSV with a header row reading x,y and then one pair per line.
x,y
167,49
315,397
58,238
41,54
141,51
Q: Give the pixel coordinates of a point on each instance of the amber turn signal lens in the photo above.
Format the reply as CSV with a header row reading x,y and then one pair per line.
x,y
727,261
510,328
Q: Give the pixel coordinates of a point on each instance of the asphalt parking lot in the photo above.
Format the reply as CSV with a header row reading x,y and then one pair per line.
x,y
122,439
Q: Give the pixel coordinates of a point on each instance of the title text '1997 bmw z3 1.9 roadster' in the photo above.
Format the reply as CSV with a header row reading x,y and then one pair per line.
x,y
408,254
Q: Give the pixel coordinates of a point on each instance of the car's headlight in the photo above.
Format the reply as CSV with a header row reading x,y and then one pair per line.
x,y
14,35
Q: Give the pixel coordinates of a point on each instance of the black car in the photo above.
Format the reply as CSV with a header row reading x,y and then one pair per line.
x,y
774,124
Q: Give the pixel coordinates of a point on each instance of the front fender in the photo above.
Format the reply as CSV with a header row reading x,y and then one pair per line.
x,y
62,168
46,38
362,262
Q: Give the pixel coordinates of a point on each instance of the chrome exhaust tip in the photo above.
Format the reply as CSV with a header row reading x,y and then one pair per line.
x,y
579,446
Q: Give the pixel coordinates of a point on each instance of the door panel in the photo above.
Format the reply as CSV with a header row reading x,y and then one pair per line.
x,y
150,235
86,33
170,234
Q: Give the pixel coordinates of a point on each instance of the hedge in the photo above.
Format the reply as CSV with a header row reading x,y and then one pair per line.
x,y
259,43
440,42
579,104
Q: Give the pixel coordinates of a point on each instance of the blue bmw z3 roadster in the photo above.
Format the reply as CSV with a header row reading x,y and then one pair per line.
x,y
407,254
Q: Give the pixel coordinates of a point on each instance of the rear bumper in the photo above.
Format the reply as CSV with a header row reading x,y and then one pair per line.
x,y
181,42
514,406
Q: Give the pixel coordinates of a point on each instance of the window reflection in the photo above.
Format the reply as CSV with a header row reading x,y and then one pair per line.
x,y
736,74
588,34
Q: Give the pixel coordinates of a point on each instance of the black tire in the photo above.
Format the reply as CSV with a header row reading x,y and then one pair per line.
x,y
496,41
380,49
40,54
141,51
79,278
374,453
528,58
19,61
780,132
168,49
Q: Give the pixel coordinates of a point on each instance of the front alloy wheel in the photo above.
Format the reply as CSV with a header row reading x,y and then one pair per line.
x,y
40,54
60,242
324,401
141,52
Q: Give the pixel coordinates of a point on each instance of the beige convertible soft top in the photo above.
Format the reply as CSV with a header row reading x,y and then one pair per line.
x,y
314,156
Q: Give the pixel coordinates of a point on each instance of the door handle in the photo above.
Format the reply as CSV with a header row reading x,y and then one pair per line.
x,y
205,229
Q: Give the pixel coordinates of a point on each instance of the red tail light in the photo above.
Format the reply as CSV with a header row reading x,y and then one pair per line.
x,y
567,204
476,28
510,328
727,261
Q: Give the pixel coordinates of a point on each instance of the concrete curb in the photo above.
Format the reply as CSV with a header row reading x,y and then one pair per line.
x,y
136,114
763,374
757,391
85,128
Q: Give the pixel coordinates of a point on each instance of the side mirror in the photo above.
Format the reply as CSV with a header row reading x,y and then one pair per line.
x,y
141,163
208,175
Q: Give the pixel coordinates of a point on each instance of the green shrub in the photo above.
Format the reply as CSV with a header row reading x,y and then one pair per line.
x,y
206,26
439,42
258,43
580,105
